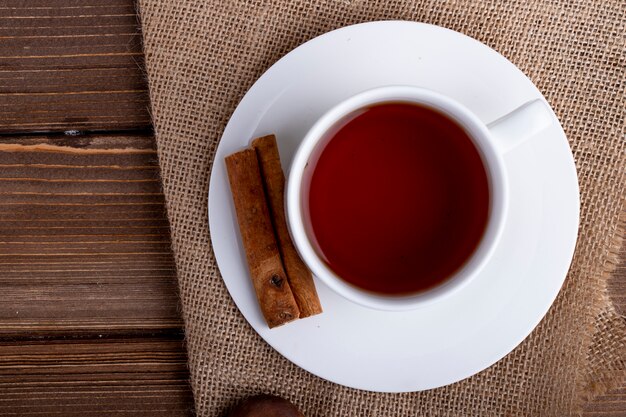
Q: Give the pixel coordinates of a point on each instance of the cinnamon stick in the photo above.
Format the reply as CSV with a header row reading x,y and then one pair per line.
x,y
299,275
266,269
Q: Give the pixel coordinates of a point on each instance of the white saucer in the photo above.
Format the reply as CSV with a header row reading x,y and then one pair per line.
x,y
467,332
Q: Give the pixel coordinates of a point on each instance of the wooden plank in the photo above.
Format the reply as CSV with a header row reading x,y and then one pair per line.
x,y
84,242
613,404
84,239
617,285
90,320
71,65
111,376
610,405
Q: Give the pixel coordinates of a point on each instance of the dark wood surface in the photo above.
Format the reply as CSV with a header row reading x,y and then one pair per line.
x,y
84,239
89,319
71,64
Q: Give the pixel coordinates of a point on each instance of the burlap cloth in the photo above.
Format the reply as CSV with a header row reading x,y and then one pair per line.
x,y
203,55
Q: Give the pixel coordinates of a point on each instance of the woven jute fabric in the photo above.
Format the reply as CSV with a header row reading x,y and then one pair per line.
x,y
202,56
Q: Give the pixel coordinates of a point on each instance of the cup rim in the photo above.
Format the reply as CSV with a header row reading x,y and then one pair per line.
x,y
492,160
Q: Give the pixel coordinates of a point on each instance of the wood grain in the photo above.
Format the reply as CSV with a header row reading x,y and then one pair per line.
x,y
90,321
110,376
68,65
613,404
617,285
84,240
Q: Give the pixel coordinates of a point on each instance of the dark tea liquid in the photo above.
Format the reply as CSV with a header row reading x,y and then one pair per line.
x,y
398,199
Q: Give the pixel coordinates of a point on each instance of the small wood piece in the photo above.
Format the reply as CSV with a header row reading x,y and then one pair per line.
x,y
299,275
265,406
268,276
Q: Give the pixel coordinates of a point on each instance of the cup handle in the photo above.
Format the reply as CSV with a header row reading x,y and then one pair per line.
x,y
521,124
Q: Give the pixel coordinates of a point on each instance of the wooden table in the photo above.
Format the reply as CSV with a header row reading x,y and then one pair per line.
x,y
89,320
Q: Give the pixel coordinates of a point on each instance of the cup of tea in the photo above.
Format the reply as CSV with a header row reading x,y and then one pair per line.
x,y
397,196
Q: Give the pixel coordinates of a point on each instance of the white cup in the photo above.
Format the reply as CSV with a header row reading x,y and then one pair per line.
x,y
491,140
